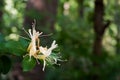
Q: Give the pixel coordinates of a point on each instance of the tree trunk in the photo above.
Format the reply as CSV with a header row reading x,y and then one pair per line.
x,y
99,29
81,8
98,26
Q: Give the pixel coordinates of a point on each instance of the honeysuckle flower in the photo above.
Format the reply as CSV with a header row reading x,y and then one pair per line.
x,y
39,52
45,56
46,51
32,48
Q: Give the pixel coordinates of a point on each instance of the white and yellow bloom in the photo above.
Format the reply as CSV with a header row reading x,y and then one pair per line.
x,y
46,53
32,48
39,52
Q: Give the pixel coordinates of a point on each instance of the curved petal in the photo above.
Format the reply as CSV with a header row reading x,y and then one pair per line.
x,y
44,65
43,50
30,33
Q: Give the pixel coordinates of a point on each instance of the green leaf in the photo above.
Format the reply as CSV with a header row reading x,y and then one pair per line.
x,y
5,64
17,47
28,64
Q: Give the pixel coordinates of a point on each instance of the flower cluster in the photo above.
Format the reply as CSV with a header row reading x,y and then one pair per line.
x,y
40,52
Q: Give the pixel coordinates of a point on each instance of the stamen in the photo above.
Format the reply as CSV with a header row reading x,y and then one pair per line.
x,y
25,31
24,38
44,65
46,35
25,55
37,61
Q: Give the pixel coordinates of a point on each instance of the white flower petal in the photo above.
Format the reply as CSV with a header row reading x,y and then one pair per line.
x,y
40,33
34,32
42,50
48,52
53,43
30,33
44,65
53,46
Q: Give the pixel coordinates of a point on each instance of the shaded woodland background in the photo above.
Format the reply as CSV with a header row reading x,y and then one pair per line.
x,y
87,31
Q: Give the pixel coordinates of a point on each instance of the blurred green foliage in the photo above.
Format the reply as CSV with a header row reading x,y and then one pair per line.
x,y
9,48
